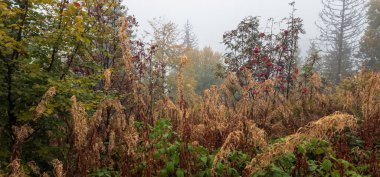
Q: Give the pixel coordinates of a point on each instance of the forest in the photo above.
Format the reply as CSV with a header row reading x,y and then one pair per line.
x,y
81,95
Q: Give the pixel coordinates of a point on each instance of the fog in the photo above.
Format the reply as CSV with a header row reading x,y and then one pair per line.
x,y
211,18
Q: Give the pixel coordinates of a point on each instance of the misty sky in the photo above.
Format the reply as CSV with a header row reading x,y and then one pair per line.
x,y
211,18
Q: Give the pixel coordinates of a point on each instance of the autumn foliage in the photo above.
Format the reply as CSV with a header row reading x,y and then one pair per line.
x,y
102,105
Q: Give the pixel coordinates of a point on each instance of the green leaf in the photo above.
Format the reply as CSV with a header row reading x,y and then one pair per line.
x,y
163,172
219,167
326,165
204,160
345,163
202,174
233,172
335,173
180,173
170,166
319,151
156,155
175,158
312,165
301,149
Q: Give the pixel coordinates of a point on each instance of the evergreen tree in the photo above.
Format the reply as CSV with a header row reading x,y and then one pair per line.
x,y
189,38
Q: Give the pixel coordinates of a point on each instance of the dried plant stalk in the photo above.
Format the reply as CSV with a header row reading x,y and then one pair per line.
x,y
16,169
34,167
22,132
124,40
80,123
41,107
107,79
256,137
58,168
324,128
180,96
232,143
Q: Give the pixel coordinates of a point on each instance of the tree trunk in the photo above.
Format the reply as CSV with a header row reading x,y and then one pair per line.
x,y
340,44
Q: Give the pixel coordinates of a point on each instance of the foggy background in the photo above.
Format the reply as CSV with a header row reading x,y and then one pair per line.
x,y
211,18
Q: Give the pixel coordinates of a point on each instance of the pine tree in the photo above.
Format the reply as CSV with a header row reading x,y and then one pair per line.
x,y
189,38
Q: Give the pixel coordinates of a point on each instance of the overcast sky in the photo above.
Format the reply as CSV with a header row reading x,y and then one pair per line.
x,y
211,18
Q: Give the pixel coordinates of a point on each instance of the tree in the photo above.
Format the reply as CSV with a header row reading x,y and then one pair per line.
x,y
312,54
341,24
48,46
265,55
166,38
311,64
240,42
189,38
370,45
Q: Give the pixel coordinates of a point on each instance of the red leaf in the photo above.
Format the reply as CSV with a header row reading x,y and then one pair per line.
x,y
76,4
266,58
286,32
296,71
304,90
269,64
256,50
